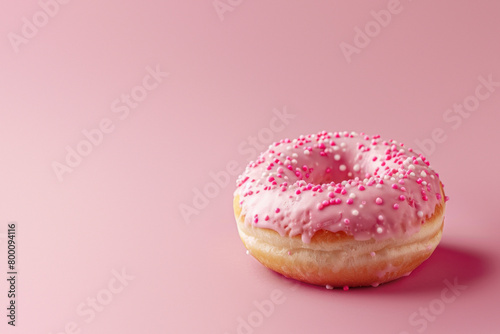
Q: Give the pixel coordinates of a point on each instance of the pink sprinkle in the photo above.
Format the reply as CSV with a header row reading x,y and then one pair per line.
x,y
361,187
332,201
338,201
396,206
277,210
350,201
346,288
320,206
402,197
331,194
328,170
338,190
346,221
280,170
256,220
343,192
403,189
446,198
401,181
394,186
425,198
267,218
298,192
374,159
419,180
326,203
379,201
304,168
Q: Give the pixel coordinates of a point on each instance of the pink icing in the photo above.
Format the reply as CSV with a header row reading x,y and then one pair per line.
x,y
362,185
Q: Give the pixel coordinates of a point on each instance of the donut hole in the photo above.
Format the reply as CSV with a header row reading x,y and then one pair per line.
x,y
335,176
318,169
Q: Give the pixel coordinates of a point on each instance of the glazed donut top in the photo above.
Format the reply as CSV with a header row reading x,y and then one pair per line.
x,y
364,186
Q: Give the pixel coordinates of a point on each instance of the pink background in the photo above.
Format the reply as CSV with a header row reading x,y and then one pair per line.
x,y
120,207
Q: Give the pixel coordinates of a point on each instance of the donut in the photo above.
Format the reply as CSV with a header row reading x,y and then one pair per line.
x,y
340,209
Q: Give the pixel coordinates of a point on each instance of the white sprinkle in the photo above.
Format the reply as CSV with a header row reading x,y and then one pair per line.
x,y
342,144
423,174
352,195
412,174
412,167
295,155
289,148
420,214
342,168
356,168
335,148
336,157
380,230
349,174
372,254
424,183
294,161
393,179
381,218
248,252
378,185
306,152
329,287
355,212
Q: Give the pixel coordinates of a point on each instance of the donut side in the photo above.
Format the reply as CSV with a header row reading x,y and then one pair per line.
x,y
337,259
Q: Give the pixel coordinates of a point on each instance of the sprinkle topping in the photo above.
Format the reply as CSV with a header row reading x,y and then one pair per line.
x,y
341,181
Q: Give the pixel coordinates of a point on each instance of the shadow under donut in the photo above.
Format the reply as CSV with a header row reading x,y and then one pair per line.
x,y
446,263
